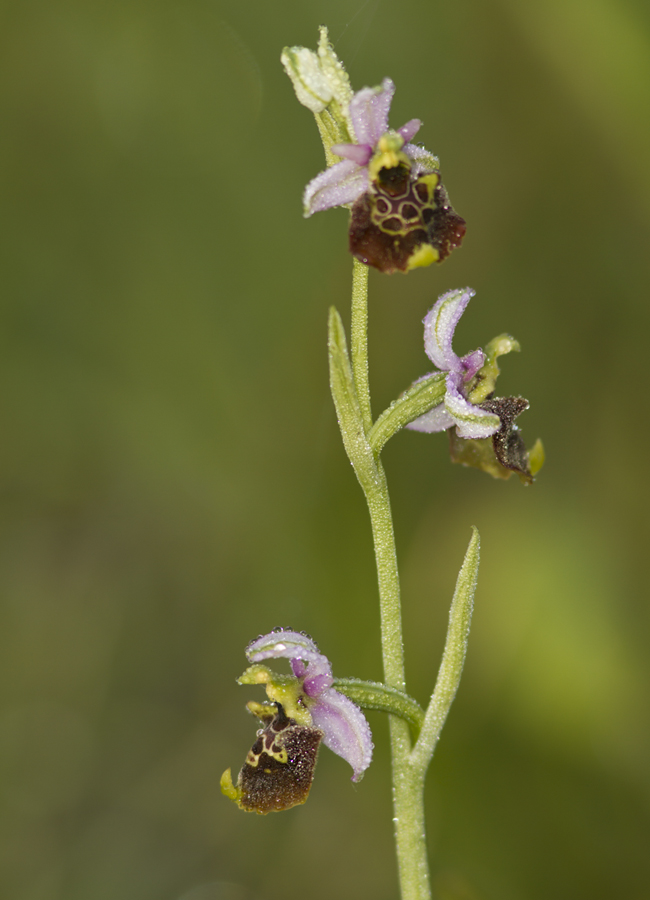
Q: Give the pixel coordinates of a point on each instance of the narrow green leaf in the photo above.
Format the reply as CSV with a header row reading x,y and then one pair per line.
x,y
453,657
346,402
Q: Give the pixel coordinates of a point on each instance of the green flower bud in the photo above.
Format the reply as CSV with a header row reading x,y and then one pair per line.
x,y
323,86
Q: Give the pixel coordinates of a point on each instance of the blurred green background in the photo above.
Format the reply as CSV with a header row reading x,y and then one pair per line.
x,y
172,477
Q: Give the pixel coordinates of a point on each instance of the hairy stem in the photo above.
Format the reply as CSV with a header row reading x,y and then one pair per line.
x,y
363,442
351,394
359,339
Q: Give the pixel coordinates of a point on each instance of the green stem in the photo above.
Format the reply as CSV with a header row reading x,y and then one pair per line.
x,y
359,339
408,799
363,442
351,395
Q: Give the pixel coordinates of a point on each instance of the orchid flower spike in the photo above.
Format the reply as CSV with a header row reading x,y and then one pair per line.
x,y
469,409
305,709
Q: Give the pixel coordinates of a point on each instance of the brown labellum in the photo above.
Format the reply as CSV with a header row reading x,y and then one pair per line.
x,y
502,454
509,446
279,768
399,224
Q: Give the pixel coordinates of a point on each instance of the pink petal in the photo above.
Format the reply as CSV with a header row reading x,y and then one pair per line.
x,y
369,112
290,645
345,729
409,130
358,153
314,684
342,183
471,421
471,363
439,326
315,677
437,419
299,668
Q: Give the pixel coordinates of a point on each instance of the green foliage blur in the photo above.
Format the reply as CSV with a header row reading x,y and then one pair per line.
x,y
173,482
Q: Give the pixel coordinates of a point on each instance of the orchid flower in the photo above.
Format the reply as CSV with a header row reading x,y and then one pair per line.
x,y
471,421
346,181
469,404
307,710
401,215
344,726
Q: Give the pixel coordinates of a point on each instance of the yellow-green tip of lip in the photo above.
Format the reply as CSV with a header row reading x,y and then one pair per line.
x,y
423,256
228,789
536,457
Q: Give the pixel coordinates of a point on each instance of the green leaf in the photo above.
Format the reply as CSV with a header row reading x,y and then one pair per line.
x,y
453,657
347,406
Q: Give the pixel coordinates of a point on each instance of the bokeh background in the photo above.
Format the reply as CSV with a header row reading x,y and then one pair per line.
x,y
172,477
